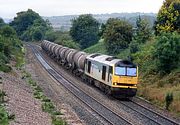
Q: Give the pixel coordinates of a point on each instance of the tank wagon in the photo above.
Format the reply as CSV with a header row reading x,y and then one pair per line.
x,y
113,76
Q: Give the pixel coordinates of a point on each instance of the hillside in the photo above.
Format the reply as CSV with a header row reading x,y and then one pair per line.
x,y
64,22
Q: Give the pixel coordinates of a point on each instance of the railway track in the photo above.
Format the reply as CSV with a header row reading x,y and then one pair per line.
x,y
107,114
152,116
156,117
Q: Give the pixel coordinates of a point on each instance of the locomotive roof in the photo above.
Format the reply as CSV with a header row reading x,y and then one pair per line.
x,y
105,59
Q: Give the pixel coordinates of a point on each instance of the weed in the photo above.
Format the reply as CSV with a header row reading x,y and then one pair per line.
x,y
48,107
57,113
38,95
45,99
38,89
31,82
11,117
58,121
3,116
2,94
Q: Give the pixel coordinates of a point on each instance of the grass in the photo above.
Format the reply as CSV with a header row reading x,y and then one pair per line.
x,y
97,48
154,88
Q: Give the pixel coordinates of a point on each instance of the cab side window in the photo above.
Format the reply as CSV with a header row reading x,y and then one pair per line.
x,y
89,66
104,73
110,72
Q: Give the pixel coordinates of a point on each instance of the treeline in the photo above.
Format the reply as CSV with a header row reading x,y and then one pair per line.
x,y
10,47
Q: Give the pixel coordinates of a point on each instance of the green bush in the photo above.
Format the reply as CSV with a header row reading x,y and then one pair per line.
x,y
167,52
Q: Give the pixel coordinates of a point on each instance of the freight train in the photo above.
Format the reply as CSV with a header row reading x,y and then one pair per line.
x,y
113,76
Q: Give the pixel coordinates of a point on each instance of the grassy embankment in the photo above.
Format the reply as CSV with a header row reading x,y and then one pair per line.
x,y
152,86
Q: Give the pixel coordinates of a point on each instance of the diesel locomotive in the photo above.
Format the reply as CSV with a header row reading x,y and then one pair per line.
x,y
114,76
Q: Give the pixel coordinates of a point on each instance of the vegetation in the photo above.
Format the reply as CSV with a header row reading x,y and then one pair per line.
x,y
11,47
5,118
117,35
2,94
167,52
62,38
168,18
85,30
97,48
169,99
30,26
143,31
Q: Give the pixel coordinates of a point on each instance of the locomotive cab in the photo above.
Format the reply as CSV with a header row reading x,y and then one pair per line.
x,y
125,78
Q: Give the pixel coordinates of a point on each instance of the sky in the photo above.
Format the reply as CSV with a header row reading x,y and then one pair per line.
x,y
9,8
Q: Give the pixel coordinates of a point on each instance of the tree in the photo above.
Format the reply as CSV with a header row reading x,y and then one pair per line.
x,y
85,30
37,34
102,29
117,35
168,18
143,30
51,36
167,52
24,20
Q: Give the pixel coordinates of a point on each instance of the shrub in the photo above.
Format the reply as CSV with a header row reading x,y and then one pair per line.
x,y
169,100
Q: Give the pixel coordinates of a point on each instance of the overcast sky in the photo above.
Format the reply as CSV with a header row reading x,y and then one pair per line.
x,y
9,8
